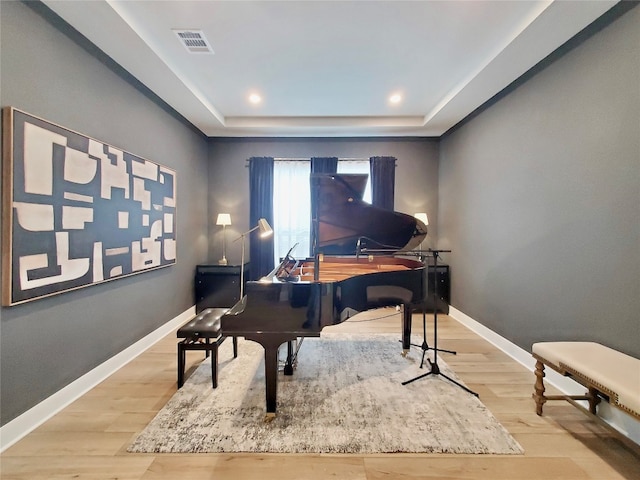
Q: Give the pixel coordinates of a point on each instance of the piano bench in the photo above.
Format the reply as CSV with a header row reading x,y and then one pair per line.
x,y
202,332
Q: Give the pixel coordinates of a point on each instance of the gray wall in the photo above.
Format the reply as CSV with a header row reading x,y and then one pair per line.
x,y
416,188
48,343
540,199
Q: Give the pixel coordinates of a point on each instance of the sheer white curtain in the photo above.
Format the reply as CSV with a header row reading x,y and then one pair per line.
x,y
291,207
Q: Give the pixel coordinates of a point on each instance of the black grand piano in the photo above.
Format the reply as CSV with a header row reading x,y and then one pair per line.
x,y
353,270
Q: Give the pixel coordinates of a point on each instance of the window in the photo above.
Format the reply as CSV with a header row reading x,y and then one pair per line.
x,y
292,203
291,208
357,166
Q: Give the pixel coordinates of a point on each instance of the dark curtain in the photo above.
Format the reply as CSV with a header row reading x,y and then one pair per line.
x,y
261,206
319,165
324,164
383,179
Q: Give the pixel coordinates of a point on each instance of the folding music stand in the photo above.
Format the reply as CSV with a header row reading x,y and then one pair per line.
x,y
425,345
435,369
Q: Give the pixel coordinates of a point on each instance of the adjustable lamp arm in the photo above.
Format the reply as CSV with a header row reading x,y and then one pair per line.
x,y
265,231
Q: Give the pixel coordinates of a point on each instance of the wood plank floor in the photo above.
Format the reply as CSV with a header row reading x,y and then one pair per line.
x,y
88,439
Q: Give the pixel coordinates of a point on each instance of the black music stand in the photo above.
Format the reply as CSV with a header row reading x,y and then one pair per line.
x,y
425,345
435,369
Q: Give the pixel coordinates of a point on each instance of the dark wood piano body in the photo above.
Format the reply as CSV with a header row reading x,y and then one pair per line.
x,y
299,299
274,312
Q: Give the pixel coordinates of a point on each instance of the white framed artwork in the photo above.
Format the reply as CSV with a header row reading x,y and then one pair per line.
x,y
77,211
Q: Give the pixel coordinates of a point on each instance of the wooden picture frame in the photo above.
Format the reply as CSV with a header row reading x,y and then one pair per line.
x,y
77,211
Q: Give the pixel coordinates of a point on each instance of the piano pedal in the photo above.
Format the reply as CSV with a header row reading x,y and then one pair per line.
x,y
292,349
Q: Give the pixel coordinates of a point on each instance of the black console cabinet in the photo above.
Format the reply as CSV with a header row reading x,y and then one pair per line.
x,y
439,274
218,285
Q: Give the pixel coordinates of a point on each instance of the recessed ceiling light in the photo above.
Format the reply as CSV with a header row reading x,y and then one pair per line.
x,y
395,98
255,98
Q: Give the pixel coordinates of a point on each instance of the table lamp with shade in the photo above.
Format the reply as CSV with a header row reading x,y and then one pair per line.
x,y
424,219
224,219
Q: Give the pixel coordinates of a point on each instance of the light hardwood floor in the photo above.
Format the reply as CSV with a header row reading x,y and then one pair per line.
x,y
88,439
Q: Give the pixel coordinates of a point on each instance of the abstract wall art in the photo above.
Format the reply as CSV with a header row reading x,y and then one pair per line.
x,y
77,211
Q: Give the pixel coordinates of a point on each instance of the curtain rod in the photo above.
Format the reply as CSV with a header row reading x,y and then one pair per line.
x,y
306,159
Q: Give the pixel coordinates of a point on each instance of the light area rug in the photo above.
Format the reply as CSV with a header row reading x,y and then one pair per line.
x,y
345,397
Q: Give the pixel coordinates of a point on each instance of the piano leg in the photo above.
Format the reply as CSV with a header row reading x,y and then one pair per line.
x,y
271,378
406,328
270,342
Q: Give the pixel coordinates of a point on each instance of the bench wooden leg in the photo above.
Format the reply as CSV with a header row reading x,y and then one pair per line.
x,y
181,364
594,400
214,364
208,346
214,358
538,396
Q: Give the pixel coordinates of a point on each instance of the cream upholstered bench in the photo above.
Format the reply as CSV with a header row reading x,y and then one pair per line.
x,y
605,372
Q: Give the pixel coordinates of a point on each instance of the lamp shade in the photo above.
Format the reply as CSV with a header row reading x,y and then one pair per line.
x,y
422,217
265,228
223,219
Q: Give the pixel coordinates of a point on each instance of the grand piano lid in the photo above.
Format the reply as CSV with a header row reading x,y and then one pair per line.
x,y
344,219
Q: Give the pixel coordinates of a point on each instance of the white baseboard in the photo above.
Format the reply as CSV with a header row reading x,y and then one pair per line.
x,y
621,421
36,416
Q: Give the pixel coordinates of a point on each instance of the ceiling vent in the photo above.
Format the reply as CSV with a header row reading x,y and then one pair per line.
x,y
193,40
